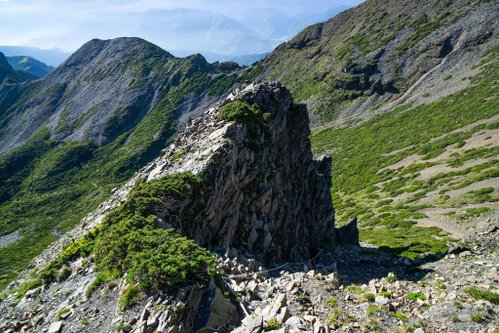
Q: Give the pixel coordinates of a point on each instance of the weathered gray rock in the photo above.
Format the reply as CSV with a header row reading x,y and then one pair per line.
x,y
381,300
258,181
55,327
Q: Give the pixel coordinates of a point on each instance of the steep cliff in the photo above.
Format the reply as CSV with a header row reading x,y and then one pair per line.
x,y
240,181
259,174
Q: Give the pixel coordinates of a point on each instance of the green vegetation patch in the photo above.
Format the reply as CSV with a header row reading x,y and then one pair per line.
x,y
130,296
61,313
399,315
332,302
250,115
130,242
469,213
386,200
416,296
242,113
480,294
273,324
477,317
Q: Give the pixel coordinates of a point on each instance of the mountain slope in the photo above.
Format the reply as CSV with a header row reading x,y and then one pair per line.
x,y
405,102
10,76
72,136
359,63
30,65
410,116
224,159
101,91
433,165
53,57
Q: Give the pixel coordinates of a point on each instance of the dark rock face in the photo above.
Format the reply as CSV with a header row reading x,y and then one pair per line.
x,y
273,200
348,234
208,309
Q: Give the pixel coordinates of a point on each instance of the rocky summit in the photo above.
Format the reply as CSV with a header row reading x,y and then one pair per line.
x,y
254,176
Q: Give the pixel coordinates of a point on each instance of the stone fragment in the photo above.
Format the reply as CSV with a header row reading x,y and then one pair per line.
x,y
293,321
278,304
310,319
381,300
152,322
464,254
127,328
283,314
55,327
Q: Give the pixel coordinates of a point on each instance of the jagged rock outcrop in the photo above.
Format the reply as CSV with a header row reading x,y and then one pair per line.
x,y
263,194
348,234
263,199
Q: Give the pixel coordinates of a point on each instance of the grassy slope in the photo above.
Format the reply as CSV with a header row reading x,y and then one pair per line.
x,y
49,186
361,188
329,63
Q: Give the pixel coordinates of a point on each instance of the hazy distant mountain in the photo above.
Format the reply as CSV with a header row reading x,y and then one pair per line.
x,y
174,29
276,25
249,59
242,60
9,76
217,36
29,65
53,57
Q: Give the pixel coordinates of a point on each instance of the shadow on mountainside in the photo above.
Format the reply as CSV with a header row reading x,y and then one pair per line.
x,y
358,265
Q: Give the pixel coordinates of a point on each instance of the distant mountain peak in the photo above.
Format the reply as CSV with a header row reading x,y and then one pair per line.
x,y
4,64
29,65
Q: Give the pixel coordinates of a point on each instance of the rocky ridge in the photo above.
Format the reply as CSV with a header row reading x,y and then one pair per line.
x,y
104,89
267,192
225,155
382,54
89,125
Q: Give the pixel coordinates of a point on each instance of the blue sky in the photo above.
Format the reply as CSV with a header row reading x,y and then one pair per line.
x,y
222,26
